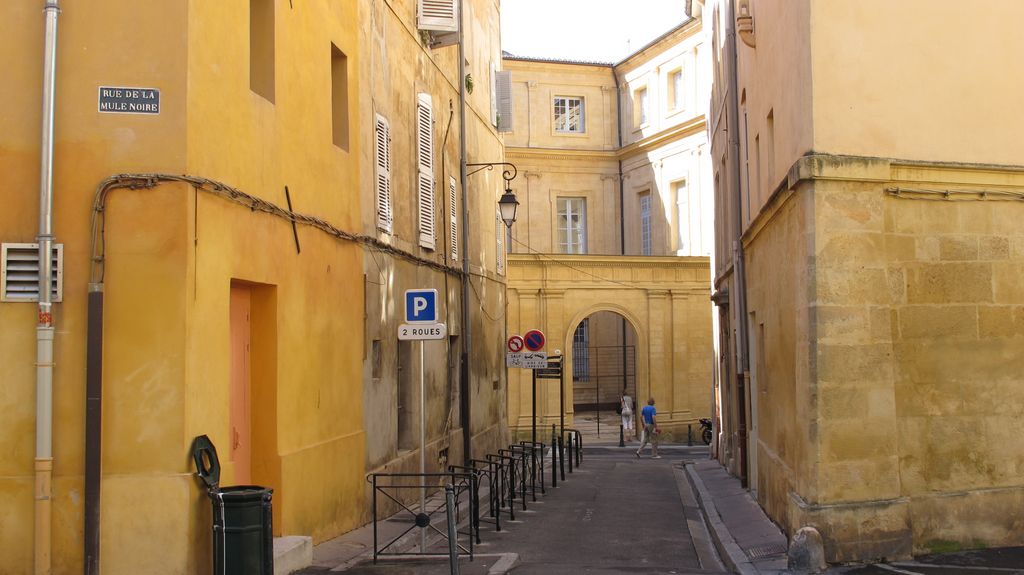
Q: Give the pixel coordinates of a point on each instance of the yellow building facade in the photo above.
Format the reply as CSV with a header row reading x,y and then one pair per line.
x,y
413,84
608,253
871,323
233,233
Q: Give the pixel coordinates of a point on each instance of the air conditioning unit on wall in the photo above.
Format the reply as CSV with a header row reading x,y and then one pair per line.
x,y
19,272
438,15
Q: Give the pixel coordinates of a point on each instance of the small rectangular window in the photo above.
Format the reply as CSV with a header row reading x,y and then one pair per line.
x,y
572,225
682,194
261,48
676,90
581,351
339,97
569,115
640,117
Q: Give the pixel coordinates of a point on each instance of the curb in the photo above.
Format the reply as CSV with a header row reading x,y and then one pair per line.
x,y
728,549
707,552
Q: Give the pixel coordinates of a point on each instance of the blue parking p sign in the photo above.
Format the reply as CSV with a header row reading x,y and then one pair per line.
x,y
421,305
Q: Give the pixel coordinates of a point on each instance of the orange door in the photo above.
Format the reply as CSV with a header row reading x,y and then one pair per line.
x,y
240,392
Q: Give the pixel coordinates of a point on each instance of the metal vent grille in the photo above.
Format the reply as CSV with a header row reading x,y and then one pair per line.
x,y
767,550
19,272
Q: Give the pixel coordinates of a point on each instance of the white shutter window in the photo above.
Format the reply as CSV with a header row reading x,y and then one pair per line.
x,y
503,90
499,233
382,145
425,159
426,193
438,15
453,226
19,272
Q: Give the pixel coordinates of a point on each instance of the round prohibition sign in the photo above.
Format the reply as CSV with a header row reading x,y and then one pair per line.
x,y
515,344
534,340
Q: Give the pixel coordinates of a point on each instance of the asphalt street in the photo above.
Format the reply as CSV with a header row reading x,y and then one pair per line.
x,y
615,514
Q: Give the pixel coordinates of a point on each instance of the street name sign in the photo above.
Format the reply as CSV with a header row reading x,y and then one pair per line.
x,y
121,100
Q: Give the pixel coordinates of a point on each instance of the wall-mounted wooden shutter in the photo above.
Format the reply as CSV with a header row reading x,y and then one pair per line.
x,y
425,171
382,147
453,226
503,91
438,15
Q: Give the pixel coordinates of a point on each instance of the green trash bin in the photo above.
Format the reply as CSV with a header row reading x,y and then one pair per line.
x,y
243,526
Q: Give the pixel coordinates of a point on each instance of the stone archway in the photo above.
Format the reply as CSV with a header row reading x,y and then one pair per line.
x,y
602,355
665,299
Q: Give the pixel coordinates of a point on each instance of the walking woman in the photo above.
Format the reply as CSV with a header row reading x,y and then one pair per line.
x,y
626,409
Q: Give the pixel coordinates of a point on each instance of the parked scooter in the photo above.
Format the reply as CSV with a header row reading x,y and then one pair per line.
x,y
705,430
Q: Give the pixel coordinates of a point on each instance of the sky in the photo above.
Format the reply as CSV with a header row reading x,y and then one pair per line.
x,y
590,30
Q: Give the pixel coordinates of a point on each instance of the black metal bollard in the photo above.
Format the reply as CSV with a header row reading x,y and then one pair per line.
x,y
689,435
622,436
554,457
569,449
579,448
561,456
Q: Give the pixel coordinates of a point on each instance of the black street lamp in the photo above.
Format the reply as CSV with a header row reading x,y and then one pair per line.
x,y
508,204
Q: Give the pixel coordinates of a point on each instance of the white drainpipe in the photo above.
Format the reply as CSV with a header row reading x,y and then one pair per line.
x,y
44,327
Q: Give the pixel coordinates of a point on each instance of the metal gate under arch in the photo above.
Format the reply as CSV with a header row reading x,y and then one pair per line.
x,y
605,371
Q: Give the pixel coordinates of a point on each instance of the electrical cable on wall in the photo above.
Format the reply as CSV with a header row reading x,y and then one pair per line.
x,y
955,195
219,189
561,263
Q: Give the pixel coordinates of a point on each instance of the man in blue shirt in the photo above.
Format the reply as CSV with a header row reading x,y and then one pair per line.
x,y
649,416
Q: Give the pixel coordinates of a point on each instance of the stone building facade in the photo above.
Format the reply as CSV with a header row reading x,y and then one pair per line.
x,y
254,300
868,270
616,171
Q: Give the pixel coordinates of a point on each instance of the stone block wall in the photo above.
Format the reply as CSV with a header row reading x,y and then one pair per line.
x,y
887,373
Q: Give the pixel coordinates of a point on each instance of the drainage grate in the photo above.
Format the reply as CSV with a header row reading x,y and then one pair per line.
x,y
762,551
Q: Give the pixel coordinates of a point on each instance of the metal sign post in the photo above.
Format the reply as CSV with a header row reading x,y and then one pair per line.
x,y
533,433
423,449
551,370
421,324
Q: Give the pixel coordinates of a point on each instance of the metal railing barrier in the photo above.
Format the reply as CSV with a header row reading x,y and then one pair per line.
x,y
493,471
474,500
509,463
536,455
520,460
394,487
